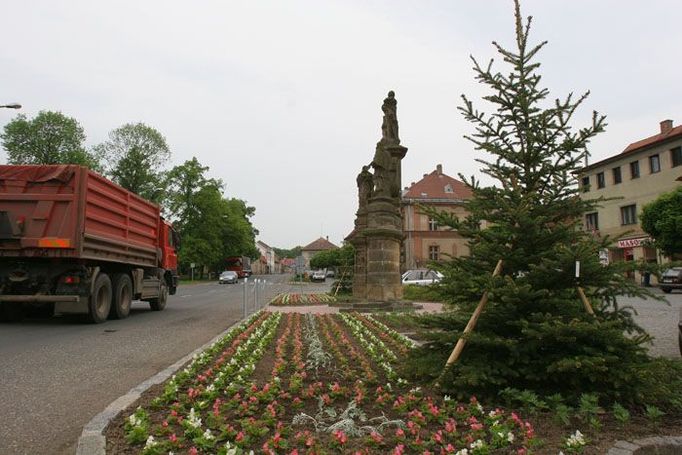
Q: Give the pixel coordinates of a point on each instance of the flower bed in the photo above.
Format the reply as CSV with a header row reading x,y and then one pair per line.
x,y
288,299
314,384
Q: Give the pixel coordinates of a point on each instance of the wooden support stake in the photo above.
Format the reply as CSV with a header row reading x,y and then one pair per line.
x,y
459,347
586,302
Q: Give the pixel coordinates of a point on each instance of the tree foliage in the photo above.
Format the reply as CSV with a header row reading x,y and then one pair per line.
x,y
135,156
662,220
288,253
48,138
535,332
340,259
211,226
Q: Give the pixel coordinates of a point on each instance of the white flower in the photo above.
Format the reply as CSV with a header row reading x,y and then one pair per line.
x,y
462,452
210,388
510,437
193,420
479,407
150,442
134,420
207,435
447,398
477,444
576,440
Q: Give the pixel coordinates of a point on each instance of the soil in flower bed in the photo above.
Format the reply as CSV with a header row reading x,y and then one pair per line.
x,y
319,384
315,384
294,299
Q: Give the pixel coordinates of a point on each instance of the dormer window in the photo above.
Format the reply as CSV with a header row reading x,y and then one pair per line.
x,y
448,188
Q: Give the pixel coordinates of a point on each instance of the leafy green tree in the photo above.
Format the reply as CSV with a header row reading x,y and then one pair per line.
x,y
48,138
340,259
662,220
288,253
535,332
211,226
136,155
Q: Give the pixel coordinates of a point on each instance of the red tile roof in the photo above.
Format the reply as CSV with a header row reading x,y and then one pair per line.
x,y
433,186
677,131
320,244
639,145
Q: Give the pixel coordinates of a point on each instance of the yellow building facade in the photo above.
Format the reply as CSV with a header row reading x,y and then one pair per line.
x,y
638,175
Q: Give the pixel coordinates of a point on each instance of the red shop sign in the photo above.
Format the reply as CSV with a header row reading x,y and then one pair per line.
x,y
632,243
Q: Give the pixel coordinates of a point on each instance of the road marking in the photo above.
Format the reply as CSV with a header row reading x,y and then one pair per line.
x,y
183,296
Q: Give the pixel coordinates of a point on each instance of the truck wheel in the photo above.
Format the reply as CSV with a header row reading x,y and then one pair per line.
x,y
160,303
122,296
100,301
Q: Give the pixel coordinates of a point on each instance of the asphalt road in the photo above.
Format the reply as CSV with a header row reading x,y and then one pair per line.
x,y
58,373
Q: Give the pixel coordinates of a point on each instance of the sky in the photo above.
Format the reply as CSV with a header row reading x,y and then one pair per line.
x,y
282,100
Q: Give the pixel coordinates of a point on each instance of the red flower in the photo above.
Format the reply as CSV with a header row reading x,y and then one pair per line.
x,y
377,437
172,438
239,437
399,449
340,436
193,451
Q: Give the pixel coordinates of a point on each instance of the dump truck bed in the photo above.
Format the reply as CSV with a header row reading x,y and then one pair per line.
x,y
69,211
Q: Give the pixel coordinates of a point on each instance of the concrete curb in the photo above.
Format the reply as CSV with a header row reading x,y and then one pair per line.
x,y
658,445
92,440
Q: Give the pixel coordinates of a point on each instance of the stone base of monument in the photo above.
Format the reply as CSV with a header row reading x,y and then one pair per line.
x,y
372,307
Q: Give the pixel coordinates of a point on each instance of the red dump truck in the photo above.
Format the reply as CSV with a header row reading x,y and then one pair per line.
x,y
72,241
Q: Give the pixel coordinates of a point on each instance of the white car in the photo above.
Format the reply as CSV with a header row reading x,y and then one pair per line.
x,y
318,275
421,277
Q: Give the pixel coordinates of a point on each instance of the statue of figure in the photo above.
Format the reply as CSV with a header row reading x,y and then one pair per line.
x,y
382,164
389,127
365,186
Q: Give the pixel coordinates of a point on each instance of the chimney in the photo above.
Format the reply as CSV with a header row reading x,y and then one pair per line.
x,y
666,126
327,238
439,169
426,175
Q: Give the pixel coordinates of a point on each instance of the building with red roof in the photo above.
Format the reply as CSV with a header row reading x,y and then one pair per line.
x,y
632,178
425,241
314,247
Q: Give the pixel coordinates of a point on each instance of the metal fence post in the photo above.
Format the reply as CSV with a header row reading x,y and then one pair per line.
x,y
244,302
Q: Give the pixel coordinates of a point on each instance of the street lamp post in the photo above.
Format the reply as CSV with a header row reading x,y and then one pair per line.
x,y
11,106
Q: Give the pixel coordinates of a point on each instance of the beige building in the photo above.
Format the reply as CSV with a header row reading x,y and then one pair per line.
x,y
317,246
636,176
425,240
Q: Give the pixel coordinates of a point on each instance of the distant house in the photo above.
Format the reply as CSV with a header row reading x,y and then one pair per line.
x,y
425,241
267,261
315,247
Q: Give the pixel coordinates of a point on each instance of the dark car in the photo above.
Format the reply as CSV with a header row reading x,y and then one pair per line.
x,y
228,276
671,279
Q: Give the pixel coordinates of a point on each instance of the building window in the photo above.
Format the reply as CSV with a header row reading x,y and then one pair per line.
x,y
654,164
601,181
628,214
617,178
676,156
434,252
448,188
586,184
634,170
592,221
433,224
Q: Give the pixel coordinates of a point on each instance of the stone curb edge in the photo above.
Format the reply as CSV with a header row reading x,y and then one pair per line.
x,y
92,441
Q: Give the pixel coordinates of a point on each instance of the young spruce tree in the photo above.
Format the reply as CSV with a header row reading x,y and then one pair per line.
x,y
534,333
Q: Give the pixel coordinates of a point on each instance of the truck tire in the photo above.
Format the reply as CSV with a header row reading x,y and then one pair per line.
x,y
159,303
122,296
99,303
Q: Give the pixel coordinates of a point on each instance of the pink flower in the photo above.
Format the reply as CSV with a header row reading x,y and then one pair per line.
x,y
340,436
164,424
521,451
377,437
438,437
239,437
294,452
400,433
399,449
450,448
450,426
193,451
172,438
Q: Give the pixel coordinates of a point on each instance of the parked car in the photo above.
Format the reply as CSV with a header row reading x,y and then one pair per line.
x,y
671,279
228,276
318,275
421,277
330,274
